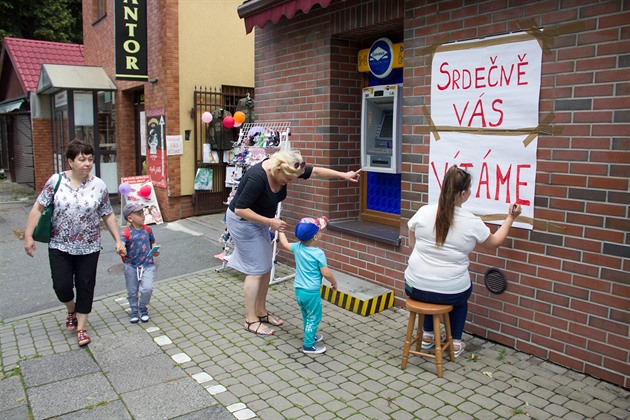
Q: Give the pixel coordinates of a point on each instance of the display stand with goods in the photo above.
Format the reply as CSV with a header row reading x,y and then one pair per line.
x,y
256,141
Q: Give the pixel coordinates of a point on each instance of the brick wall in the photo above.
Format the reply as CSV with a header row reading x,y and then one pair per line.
x,y
163,53
568,299
42,152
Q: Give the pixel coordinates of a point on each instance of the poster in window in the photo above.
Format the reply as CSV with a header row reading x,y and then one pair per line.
x,y
156,145
203,179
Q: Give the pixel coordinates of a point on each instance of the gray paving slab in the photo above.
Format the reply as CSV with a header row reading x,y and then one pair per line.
x,y
108,410
168,400
144,372
125,349
57,367
67,396
216,412
12,396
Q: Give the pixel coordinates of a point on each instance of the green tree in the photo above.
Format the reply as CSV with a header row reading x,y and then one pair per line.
x,y
47,20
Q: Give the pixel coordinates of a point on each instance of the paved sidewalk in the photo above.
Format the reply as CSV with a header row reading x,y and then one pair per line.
x,y
193,360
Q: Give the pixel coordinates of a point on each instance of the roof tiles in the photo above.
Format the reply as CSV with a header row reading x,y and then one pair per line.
x,y
28,55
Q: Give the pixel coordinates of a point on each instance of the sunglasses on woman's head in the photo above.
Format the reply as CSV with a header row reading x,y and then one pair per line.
x,y
299,165
463,171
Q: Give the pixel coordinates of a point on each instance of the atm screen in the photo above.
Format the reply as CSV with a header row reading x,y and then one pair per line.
x,y
386,127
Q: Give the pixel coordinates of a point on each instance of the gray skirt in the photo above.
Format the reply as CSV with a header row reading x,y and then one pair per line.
x,y
253,251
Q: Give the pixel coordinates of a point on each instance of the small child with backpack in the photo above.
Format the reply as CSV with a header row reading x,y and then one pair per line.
x,y
310,266
139,266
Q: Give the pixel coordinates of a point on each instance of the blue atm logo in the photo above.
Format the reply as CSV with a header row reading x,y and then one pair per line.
x,y
381,58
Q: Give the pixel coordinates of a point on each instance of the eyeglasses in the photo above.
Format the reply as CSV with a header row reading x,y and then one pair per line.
x,y
299,165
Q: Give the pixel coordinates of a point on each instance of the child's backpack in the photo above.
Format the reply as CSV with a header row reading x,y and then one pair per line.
x,y
127,234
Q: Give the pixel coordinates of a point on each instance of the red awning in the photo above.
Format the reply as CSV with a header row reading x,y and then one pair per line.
x,y
259,12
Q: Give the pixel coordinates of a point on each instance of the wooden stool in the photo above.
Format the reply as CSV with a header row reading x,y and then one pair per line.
x,y
421,309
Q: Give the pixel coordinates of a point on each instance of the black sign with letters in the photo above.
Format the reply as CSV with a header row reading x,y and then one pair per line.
x,y
131,39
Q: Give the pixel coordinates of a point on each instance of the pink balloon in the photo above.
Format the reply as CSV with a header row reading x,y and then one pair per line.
x,y
145,191
237,125
228,122
206,117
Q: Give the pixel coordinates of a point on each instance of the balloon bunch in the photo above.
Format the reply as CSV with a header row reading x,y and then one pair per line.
x,y
144,191
228,122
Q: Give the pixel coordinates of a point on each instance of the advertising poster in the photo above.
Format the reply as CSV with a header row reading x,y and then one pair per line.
x,y
203,179
142,192
484,115
156,147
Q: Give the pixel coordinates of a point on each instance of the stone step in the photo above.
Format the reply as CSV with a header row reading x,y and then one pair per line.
x,y
356,295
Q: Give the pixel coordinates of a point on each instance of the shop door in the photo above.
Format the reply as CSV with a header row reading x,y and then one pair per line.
x,y
22,137
206,159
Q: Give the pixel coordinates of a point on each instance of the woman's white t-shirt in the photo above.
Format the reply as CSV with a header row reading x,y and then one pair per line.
x,y
443,269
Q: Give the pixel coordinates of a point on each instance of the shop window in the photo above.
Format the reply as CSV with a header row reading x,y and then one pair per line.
x,y
83,116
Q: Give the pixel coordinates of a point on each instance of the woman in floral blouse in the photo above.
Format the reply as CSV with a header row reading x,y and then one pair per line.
x,y
75,241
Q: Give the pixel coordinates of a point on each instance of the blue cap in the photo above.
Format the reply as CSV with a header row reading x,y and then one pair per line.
x,y
308,227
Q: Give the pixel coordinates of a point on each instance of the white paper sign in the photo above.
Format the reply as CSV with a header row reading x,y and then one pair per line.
x,y
503,172
492,85
174,145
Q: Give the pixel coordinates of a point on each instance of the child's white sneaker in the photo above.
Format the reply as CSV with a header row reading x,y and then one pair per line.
x,y
316,349
144,315
133,317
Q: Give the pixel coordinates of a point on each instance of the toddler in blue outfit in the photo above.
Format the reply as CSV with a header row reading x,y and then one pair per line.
x,y
139,266
310,267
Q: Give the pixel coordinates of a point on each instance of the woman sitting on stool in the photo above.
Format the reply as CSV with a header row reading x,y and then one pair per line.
x,y
441,237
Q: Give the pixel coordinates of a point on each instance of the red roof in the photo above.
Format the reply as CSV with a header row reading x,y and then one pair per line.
x,y
28,55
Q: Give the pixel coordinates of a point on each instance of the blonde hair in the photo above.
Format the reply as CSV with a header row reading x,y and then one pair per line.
x,y
285,160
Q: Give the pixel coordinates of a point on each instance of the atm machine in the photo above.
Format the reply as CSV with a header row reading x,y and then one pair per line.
x,y
381,129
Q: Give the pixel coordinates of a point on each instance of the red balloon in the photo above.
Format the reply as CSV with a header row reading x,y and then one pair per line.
x,y
145,191
228,122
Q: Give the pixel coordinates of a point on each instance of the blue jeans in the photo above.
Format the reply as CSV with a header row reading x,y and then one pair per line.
x,y
139,280
458,314
310,302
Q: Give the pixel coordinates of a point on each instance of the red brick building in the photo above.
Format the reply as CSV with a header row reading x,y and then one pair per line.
x,y
20,64
184,51
568,298
176,70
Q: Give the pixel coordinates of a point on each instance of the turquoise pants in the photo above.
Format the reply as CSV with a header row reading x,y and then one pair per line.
x,y
310,303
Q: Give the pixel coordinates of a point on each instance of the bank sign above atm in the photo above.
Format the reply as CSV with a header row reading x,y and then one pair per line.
x,y
381,58
131,39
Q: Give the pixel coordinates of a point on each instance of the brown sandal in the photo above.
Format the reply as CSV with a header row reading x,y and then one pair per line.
x,y
83,338
261,329
71,321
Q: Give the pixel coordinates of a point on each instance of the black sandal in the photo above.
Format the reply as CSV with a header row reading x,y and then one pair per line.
x,y
265,318
265,331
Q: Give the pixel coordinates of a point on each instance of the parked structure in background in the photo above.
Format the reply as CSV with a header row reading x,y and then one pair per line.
x,y
20,64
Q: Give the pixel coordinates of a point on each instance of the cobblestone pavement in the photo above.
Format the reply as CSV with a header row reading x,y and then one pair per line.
x,y
195,341
193,360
